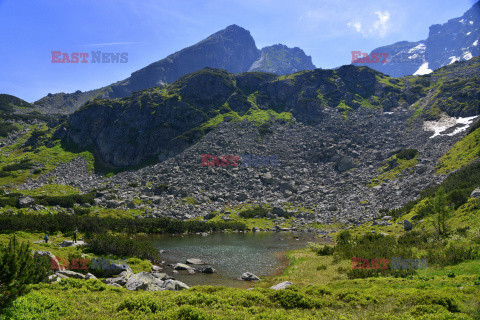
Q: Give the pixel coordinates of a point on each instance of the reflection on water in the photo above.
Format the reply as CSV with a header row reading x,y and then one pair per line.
x,y
231,254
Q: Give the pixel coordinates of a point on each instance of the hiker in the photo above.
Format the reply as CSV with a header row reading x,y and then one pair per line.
x,y
46,238
75,236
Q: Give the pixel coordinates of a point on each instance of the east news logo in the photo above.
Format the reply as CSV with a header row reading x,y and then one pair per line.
x,y
96,57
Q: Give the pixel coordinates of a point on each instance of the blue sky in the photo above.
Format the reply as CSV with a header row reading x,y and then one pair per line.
x,y
149,30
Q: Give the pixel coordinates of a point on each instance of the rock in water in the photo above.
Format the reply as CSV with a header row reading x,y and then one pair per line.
x,y
195,261
206,269
182,266
248,276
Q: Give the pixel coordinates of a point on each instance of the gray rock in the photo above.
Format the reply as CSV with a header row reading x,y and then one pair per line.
x,y
195,261
116,269
55,263
70,274
68,243
144,281
206,269
53,278
475,193
407,225
90,276
156,268
281,286
248,276
25,202
174,285
181,266
153,282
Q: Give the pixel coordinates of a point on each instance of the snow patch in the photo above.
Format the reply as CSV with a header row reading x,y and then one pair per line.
x,y
475,43
453,59
415,56
447,122
471,22
467,55
421,47
468,33
423,70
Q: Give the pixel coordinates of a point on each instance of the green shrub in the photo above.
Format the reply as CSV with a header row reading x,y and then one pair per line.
x,y
290,299
191,313
106,244
322,267
324,250
18,269
81,211
254,212
22,165
89,224
407,154
6,128
67,201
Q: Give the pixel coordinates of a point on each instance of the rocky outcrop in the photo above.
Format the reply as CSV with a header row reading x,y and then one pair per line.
x,y
155,124
280,59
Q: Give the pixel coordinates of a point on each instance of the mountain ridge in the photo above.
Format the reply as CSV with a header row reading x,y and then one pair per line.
x,y
232,49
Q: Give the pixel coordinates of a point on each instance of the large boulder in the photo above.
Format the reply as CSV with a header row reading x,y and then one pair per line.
x,y
144,281
55,263
116,269
174,285
153,282
407,225
25,202
120,279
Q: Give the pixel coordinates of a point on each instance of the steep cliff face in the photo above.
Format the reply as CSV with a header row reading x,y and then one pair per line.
x,y
455,40
280,59
163,121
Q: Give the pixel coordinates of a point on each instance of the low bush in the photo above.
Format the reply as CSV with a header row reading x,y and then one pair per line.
x,y
106,244
254,212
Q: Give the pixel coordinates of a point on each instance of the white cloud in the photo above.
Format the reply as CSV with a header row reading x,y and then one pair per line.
x,y
380,26
358,27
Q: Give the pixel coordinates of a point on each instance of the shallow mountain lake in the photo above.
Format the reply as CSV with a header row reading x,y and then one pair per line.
x,y
231,254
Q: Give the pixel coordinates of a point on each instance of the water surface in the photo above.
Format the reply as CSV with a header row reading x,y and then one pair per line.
x,y
231,254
